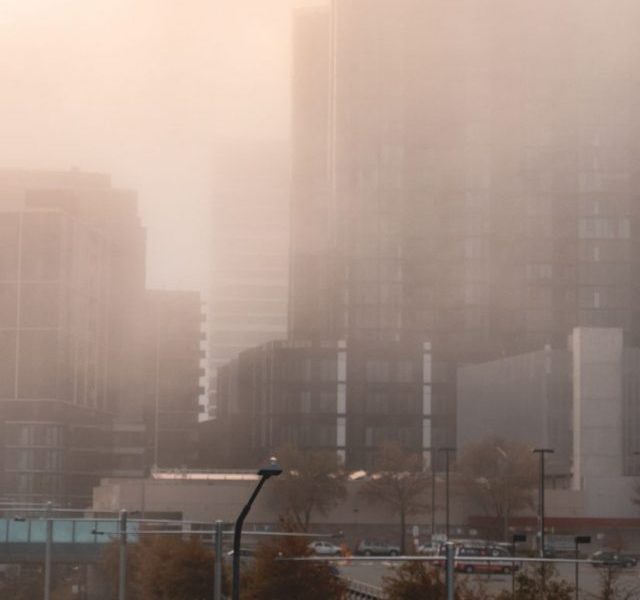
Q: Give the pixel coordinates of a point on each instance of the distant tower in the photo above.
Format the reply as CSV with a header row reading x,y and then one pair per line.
x,y
250,231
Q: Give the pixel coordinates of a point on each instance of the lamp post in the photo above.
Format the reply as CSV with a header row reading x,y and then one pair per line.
x,y
47,551
272,470
447,451
503,468
122,569
433,491
541,452
217,581
579,539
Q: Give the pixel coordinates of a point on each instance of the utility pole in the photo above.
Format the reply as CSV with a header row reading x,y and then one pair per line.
x,y
122,575
47,551
447,451
541,452
217,582
450,567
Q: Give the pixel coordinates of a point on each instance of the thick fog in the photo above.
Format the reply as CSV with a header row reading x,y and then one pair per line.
x,y
149,90
144,90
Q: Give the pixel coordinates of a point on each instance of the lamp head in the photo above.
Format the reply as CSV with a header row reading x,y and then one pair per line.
x,y
273,469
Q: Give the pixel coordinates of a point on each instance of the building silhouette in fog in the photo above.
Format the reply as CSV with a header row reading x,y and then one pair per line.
x,y
173,333
72,277
462,176
249,276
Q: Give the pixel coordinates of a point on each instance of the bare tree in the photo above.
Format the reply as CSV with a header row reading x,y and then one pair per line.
x,y
271,578
312,482
399,482
419,580
538,582
500,476
613,588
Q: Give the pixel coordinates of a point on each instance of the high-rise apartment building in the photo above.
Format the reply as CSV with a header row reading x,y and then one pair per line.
x,y
73,306
464,174
249,277
72,271
463,180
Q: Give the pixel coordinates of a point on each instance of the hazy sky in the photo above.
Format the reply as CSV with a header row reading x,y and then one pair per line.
x,y
144,90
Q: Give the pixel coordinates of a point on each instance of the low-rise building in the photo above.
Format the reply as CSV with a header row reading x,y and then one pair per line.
x,y
583,402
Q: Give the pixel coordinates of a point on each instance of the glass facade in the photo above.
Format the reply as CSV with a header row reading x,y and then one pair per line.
x,y
477,198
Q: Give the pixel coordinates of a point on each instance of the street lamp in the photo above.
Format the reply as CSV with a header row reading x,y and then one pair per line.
x,y
541,452
503,467
433,492
446,451
272,470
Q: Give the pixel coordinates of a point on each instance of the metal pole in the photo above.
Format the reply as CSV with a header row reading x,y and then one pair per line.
x,y
543,566
447,493
513,569
576,574
237,534
449,571
156,432
541,452
217,582
542,504
433,500
47,552
122,575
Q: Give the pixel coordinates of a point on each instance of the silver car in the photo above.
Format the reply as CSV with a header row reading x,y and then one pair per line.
x,y
324,548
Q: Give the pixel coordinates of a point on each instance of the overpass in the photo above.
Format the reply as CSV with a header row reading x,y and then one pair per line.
x,y
81,541
78,540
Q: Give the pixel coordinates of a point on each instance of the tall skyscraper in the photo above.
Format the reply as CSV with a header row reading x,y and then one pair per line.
x,y
248,302
464,174
463,189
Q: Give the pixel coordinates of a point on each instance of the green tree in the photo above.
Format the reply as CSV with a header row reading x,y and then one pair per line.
x,y
500,477
311,482
399,482
271,577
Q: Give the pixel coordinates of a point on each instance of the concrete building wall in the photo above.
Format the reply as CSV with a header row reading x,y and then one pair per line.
x,y
223,500
597,404
598,422
582,402
525,398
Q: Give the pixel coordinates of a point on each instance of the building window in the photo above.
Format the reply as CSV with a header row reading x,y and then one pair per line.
x,y
377,371
405,371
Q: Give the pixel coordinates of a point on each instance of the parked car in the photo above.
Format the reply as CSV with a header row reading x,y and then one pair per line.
x,y
608,558
247,555
506,565
428,549
323,548
376,548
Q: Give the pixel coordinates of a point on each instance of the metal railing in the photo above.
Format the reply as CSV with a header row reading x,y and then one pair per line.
x,y
359,590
